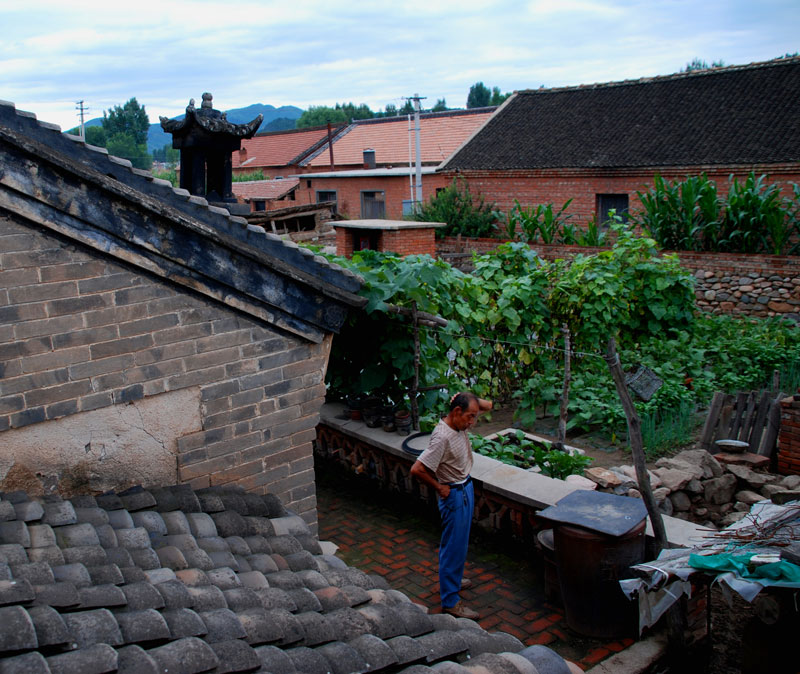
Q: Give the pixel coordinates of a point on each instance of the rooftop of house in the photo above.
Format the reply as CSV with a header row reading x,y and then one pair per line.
x,y
100,201
264,189
280,148
440,134
217,580
734,115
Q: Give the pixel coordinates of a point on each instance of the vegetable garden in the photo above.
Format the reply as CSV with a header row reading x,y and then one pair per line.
x,y
504,336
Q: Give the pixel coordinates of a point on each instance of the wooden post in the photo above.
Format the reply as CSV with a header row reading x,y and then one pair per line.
x,y
637,448
562,418
675,617
415,382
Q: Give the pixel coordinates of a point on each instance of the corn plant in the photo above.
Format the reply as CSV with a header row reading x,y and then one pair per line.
x,y
529,222
752,210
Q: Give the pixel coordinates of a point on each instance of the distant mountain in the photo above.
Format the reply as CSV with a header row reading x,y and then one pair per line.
x,y
275,119
157,138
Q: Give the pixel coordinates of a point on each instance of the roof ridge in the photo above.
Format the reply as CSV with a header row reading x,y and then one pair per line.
x,y
238,226
755,65
320,127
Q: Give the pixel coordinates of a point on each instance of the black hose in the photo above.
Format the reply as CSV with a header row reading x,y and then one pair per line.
x,y
407,446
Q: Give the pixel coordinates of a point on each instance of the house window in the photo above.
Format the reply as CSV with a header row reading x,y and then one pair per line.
x,y
308,184
607,202
259,205
327,195
373,205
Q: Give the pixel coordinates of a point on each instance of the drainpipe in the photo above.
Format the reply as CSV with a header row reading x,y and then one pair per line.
x,y
330,144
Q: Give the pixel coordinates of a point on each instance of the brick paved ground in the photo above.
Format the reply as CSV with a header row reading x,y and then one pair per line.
x,y
383,534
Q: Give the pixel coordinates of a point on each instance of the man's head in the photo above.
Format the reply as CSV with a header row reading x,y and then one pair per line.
x,y
463,410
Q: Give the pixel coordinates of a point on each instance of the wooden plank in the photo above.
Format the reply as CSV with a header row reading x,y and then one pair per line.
x,y
773,426
747,423
736,422
723,427
758,424
711,420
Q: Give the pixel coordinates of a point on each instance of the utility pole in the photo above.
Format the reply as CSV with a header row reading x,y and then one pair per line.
x,y
418,166
82,112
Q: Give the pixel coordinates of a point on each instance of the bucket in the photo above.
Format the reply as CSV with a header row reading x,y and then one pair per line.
x,y
590,566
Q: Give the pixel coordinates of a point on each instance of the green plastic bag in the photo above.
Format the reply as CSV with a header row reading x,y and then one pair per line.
x,y
723,562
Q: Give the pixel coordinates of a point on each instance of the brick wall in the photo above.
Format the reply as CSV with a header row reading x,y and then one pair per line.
x,y
411,241
755,285
79,333
789,436
348,192
582,185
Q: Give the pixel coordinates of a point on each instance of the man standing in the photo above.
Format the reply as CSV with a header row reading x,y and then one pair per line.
x,y
445,467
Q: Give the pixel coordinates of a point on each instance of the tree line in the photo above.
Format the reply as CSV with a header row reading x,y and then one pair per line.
x,y
479,96
123,132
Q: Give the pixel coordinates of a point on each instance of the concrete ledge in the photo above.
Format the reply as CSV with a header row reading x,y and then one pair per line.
x,y
530,489
636,659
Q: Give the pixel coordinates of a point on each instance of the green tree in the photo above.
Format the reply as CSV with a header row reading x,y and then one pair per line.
x,y
131,119
700,64
124,145
407,109
167,154
390,110
95,135
342,113
441,105
497,96
479,96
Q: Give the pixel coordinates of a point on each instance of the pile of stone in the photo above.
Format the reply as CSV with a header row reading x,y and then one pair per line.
x,y
696,486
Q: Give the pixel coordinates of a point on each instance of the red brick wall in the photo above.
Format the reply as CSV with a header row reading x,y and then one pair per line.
x,y
416,241
348,192
583,185
789,437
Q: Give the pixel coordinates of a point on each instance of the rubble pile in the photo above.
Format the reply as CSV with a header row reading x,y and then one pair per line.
x,y
711,490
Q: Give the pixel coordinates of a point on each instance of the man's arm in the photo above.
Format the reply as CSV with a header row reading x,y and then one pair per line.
x,y
484,405
425,475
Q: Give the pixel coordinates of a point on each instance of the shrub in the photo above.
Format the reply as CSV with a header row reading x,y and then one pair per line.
x,y
464,212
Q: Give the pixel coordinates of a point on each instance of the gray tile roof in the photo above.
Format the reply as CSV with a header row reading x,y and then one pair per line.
x,y
219,580
87,195
734,115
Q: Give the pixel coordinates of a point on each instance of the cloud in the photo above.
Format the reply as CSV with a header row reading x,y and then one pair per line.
x,y
321,52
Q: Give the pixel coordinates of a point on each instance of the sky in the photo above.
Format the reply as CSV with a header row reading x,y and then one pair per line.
x,y
55,53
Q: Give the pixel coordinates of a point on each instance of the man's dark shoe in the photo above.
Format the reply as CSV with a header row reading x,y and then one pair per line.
x,y
461,611
466,583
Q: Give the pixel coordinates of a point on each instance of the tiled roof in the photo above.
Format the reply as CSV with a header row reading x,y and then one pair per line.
x,y
440,134
217,580
279,148
264,189
735,115
106,204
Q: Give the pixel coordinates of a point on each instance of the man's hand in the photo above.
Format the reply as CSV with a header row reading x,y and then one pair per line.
x,y
425,475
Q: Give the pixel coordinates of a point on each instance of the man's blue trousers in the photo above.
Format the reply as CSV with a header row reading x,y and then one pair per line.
x,y
456,511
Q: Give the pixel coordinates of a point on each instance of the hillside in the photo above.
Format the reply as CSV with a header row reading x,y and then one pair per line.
x,y
275,119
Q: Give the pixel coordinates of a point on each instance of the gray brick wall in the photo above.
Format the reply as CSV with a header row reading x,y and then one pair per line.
x,y
78,333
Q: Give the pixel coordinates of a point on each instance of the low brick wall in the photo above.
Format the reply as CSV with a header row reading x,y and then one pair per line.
x,y
789,437
754,285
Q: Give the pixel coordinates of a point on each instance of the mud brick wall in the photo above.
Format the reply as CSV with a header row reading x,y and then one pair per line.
x,y
789,437
109,375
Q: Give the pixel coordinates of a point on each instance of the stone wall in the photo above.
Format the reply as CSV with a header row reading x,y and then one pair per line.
x,y
755,285
124,377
